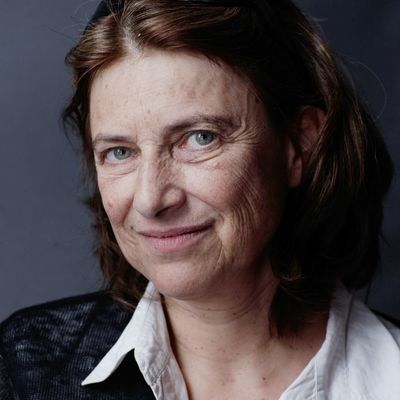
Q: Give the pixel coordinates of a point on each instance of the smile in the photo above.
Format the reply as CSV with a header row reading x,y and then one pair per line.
x,y
174,240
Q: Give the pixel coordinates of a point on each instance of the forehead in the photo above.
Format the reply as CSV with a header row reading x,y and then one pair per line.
x,y
164,85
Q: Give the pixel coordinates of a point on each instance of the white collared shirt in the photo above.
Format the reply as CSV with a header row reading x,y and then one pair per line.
x,y
359,359
147,333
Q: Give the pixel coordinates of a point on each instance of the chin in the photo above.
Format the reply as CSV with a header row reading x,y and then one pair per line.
x,y
183,280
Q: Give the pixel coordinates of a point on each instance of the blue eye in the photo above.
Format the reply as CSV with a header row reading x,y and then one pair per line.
x,y
202,138
118,154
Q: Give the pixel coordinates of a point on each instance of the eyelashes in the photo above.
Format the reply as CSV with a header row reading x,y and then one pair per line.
x,y
117,154
200,138
194,141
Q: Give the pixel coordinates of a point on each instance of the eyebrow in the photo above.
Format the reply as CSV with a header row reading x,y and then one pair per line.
x,y
110,138
222,122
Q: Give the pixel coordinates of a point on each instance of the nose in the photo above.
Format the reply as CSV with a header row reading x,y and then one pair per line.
x,y
156,189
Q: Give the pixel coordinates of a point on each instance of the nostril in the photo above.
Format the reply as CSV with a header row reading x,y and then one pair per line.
x,y
156,203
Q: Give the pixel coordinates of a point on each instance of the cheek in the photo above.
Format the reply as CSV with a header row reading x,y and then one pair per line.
x,y
248,192
117,197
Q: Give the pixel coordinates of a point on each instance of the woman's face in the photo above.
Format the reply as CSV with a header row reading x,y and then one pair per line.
x,y
192,177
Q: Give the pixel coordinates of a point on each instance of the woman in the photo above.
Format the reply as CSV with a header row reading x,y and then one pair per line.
x,y
239,184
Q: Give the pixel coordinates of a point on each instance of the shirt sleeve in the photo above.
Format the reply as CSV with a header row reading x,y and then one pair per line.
x,y
6,391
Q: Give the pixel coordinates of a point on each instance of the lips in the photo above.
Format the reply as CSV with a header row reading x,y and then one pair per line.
x,y
175,239
175,231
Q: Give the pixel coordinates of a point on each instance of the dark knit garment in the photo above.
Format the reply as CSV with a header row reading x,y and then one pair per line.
x,y
46,352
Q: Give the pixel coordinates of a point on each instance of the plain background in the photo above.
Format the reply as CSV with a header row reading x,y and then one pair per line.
x,y
45,236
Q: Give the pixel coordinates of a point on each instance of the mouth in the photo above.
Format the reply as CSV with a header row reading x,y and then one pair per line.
x,y
174,240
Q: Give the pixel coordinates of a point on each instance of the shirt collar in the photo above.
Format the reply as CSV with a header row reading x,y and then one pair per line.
x,y
147,334
328,364
351,337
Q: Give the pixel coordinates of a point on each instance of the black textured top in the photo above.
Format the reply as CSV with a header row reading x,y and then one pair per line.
x,y
46,352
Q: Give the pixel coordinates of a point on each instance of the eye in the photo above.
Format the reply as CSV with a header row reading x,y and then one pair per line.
x,y
118,154
201,138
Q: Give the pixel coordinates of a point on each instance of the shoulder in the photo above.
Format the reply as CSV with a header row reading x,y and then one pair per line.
x,y
59,340
372,353
59,320
61,307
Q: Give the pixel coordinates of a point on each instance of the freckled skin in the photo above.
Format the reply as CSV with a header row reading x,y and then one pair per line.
x,y
240,184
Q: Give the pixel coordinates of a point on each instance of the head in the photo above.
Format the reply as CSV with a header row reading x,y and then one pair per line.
x,y
317,201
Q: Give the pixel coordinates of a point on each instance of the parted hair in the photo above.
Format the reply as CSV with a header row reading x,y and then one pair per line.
x,y
331,225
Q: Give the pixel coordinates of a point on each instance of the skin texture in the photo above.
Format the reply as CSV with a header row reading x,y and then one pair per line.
x,y
154,175
237,183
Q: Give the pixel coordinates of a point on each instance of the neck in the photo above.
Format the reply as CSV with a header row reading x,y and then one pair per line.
x,y
243,312
226,340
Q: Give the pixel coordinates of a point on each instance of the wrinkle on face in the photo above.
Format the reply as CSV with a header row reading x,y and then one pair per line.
x,y
240,185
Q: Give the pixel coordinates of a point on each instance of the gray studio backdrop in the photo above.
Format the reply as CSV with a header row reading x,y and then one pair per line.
x,y
45,239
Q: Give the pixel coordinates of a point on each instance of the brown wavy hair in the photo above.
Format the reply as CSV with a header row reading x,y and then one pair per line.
x,y
332,222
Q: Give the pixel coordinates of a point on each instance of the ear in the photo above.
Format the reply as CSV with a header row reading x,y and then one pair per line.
x,y
304,136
